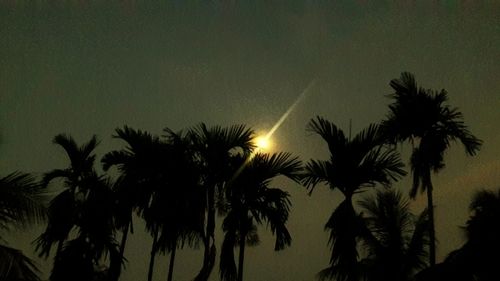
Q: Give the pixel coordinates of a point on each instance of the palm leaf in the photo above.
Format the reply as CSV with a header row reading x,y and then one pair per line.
x,y
21,200
16,266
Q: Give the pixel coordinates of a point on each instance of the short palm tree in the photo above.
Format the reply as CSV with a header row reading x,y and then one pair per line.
x,y
62,209
424,118
21,203
395,240
215,146
477,259
251,202
81,214
353,166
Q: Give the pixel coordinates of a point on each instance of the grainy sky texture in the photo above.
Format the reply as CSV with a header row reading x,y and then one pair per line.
x,y
88,67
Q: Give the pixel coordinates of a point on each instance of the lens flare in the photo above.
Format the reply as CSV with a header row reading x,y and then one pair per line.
x,y
263,143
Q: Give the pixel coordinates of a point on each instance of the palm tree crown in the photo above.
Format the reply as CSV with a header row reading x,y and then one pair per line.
x,y
354,165
214,149
424,118
251,202
395,240
21,203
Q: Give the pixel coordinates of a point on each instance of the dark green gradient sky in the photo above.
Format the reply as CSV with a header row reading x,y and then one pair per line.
x,y
87,67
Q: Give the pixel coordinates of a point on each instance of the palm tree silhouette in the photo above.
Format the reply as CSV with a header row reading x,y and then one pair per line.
x,y
422,117
215,146
21,204
477,259
160,180
181,201
354,166
139,164
83,209
396,241
62,208
251,202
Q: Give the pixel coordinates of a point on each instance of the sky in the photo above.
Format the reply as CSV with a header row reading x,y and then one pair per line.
x,y
89,67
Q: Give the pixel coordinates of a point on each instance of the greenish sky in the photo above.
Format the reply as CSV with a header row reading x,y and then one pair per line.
x,y
87,67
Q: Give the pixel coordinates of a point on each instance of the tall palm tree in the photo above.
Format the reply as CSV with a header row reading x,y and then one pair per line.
x,y
139,164
354,165
215,146
251,202
396,240
423,117
84,209
159,180
182,198
21,203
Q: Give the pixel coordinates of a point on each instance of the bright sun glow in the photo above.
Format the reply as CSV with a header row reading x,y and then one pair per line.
x,y
263,143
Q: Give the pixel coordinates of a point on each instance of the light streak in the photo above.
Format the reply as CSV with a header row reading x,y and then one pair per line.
x,y
276,126
291,108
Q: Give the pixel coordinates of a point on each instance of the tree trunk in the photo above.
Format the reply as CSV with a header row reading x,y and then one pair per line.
x,y
171,265
116,271
432,231
152,259
241,257
209,240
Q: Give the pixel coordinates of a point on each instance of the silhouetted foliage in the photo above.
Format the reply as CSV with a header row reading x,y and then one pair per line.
x,y
395,240
21,203
479,258
423,117
251,202
84,210
354,165
214,148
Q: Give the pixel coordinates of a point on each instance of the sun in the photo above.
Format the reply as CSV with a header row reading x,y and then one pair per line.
x,y
263,143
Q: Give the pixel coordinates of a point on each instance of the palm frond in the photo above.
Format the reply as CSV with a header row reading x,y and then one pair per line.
x,y
333,136
55,174
14,265
21,200
316,172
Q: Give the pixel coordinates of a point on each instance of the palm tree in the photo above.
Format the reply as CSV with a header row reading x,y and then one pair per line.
x,y
424,118
251,202
139,165
21,201
354,166
83,209
396,240
215,146
478,258
182,198
159,179
483,231
62,209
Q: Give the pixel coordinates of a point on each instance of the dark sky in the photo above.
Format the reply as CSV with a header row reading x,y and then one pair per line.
x,y
86,67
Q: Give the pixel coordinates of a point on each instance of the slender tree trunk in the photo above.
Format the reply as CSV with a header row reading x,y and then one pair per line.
x,y
171,265
209,240
432,230
116,271
241,257
152,259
